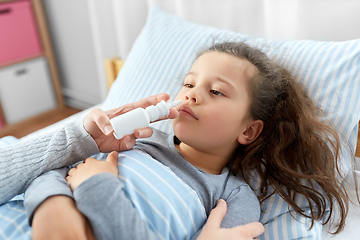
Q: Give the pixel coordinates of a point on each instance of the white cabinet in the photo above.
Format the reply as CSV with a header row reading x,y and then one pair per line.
x,y
26,90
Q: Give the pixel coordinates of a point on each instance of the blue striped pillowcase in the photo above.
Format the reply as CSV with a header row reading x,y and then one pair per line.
x,y
330,71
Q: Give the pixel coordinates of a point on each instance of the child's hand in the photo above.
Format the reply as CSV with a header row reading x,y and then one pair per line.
x,y
91,167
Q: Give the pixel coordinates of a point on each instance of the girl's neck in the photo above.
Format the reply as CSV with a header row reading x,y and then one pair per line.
x,y
210,163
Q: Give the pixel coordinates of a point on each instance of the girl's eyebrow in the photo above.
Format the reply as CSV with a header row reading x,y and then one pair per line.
x,y
217,78
226,82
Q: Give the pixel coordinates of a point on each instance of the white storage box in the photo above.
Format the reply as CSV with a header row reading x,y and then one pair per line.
x,y
26,90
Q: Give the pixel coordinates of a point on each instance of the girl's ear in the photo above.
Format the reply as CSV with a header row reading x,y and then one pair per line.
x,y
251,132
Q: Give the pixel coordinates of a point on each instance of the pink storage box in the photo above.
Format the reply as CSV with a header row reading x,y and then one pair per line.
x,y
19,37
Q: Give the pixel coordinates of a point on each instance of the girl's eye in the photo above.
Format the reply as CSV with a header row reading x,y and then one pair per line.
x,y
216,93
188,85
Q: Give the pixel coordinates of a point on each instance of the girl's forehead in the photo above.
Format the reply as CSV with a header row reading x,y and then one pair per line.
x,y
225,62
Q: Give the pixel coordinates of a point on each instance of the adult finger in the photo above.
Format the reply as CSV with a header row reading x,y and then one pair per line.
x,y
217,215
152,100
143,132
127,143
89,231
173,114
100,118
253,229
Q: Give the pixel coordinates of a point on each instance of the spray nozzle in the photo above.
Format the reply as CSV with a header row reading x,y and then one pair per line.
x,y
174,104
161,109
140,118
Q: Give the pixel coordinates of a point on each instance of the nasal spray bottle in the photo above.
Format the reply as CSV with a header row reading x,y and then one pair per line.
x,y
140,118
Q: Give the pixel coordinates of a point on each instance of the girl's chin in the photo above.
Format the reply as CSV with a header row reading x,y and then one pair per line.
x,y
178,126
181,132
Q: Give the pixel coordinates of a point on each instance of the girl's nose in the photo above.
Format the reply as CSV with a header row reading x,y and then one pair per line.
x,y
192,99
193,96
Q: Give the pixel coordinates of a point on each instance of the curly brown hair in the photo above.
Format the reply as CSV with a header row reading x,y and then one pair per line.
x,y
296,153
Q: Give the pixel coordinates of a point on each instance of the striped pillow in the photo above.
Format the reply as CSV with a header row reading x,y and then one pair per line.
x,y
330,72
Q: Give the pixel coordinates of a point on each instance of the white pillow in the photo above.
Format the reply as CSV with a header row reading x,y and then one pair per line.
x,y
330,71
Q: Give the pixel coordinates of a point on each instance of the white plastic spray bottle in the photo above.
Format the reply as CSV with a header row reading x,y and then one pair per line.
x,y
140,118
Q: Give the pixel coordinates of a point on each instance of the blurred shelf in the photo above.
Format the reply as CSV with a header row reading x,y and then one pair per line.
x,y
28,17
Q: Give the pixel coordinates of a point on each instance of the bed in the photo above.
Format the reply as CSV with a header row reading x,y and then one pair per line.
x,y
159,47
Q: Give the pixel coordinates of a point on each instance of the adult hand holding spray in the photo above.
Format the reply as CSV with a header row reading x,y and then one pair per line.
x,y
128,122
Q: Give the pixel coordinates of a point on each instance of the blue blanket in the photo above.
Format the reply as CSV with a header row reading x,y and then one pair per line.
x,y
13,221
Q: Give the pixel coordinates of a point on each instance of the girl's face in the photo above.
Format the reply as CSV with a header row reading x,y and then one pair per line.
x,y
215,108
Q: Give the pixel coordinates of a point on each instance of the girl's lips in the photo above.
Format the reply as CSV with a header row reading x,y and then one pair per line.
x,y
185,110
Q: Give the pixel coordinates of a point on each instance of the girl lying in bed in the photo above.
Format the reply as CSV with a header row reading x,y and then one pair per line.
x,y
199,155
241,114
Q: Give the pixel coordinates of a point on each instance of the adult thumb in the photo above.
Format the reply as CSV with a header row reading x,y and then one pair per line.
x,y
217,214
112,157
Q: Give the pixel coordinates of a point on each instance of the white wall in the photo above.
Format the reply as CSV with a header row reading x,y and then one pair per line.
x,y
85,32
83,36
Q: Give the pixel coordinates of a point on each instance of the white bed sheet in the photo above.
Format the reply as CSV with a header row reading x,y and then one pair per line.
x,y
351,230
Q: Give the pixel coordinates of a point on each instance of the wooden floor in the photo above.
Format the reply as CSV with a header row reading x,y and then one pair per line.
x,y
25,127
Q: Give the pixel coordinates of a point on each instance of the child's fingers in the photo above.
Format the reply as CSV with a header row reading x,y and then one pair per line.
x,y
112,157
89,159
217,215
68,179
71,171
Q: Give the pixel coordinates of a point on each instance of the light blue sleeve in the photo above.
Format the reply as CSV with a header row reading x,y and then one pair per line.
x,y
111,214
46,185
